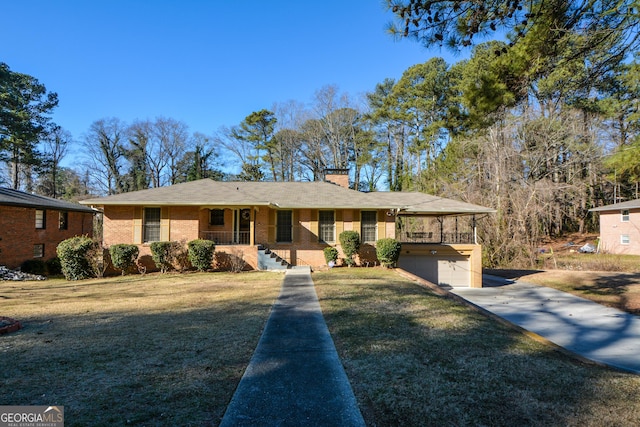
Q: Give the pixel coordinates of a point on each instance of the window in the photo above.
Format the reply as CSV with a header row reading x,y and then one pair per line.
x,y
625,215
216,217
63,219
151,225
368,222
284,226
624,239
38,250
41,219
326,226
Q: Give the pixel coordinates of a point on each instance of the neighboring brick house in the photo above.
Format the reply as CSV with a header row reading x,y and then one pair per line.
x,y
296,221
31,226
620,228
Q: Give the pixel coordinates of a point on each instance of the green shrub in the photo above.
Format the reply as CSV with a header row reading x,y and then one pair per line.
x,y
161,255
34,266
388,251
53,266
350,242
201,253
123,256
330,254
73,257
168,255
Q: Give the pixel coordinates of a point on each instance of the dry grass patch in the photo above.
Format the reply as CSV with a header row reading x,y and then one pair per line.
x,y
134,350
416,358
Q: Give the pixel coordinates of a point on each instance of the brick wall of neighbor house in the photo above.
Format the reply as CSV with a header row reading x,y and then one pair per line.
x,y
613,228
18,234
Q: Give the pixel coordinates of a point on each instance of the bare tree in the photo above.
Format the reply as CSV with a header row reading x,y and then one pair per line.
x,y
55,146
104,153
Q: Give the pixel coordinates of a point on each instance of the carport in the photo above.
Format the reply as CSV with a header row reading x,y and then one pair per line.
x,y
439,240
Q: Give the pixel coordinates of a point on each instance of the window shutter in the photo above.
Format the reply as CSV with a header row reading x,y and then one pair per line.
x,y
382,226
164,224
339,223
271,226
313,224
137,225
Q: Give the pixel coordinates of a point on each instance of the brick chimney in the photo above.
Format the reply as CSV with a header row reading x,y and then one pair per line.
x,y
337,176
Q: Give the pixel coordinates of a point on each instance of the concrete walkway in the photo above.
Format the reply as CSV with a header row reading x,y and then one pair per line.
x,y
590,330
295,377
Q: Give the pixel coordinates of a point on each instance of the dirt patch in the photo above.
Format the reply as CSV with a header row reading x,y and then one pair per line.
x,y
570,243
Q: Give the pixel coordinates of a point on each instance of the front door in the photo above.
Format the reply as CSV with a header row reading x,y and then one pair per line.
x,y
242,226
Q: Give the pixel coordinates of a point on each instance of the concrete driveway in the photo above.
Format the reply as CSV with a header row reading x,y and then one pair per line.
x,y
588,329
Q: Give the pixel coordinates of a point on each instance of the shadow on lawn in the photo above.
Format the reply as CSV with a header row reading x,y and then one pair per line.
x,y
416,358
617,286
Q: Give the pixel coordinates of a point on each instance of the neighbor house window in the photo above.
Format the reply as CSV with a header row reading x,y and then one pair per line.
x,y
368,222
63,220
624,239
38,250
284,226
151,225
216,217
41,218
326,226
625,215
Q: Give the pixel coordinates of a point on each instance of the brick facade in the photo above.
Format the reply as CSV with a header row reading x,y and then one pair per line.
x,y
186,223
19,236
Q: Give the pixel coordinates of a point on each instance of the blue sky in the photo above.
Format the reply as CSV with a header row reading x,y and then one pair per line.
x,y
206,63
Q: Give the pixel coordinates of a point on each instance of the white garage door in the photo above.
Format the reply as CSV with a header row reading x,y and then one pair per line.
x,y
450,271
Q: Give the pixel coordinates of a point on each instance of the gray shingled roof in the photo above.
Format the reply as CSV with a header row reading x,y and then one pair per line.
x,y
286,195
631,204
11,197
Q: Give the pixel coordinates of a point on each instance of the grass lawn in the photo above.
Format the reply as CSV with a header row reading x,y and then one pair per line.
x,y
153,350
415,358
160,350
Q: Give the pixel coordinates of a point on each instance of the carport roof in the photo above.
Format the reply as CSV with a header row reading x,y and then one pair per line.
x,y
287,195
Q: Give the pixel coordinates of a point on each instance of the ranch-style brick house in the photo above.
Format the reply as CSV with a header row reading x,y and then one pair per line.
x,y
295,221
32,226
620,227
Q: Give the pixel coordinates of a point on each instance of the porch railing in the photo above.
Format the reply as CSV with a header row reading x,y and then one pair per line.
x,y
435,237
227,237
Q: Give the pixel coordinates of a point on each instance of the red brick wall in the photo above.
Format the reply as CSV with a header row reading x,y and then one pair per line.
x,y
18,234
184,223
117,225
187,221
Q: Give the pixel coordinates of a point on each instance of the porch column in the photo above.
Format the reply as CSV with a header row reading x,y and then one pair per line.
x,y
252,226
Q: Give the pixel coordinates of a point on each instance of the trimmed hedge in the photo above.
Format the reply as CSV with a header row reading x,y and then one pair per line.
x,y
34,266
330,254
388,251
350,243
73,257
201,253
54,268
162,255
123,256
